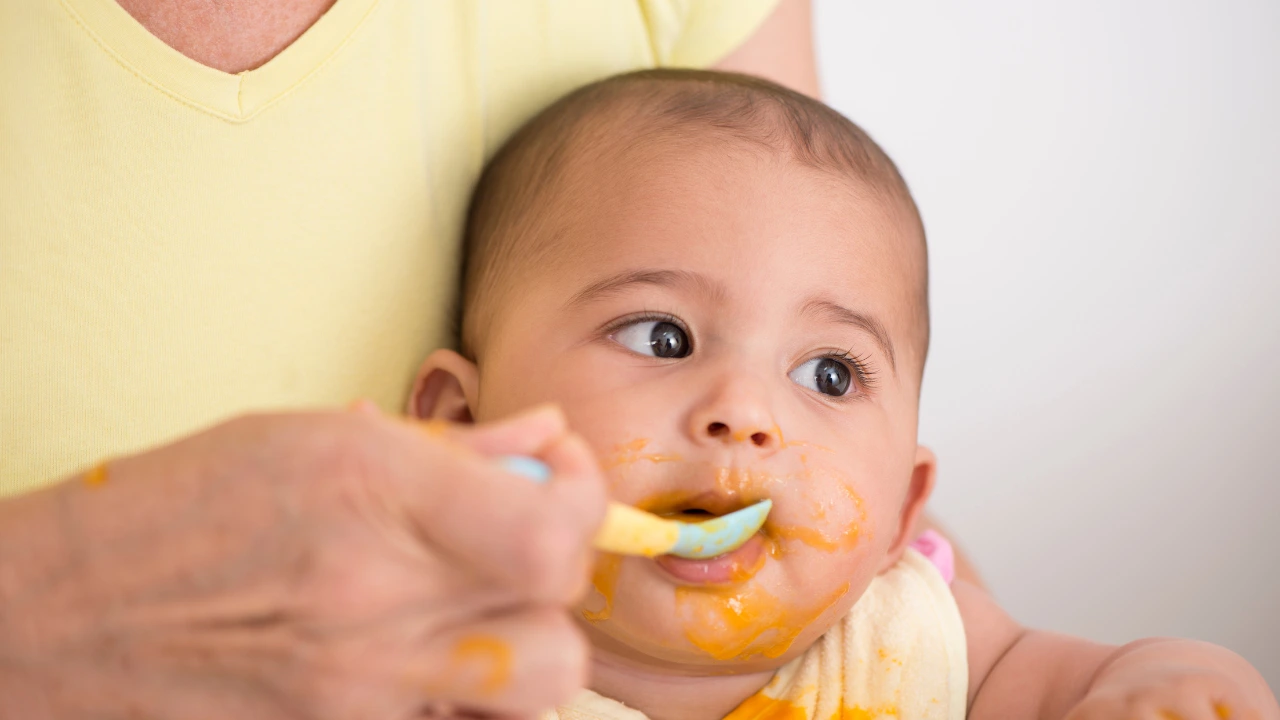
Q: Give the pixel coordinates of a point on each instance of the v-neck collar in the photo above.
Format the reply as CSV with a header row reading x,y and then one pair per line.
x,y
235,97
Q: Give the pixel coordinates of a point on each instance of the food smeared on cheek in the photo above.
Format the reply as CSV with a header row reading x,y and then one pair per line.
x,y
815,539
738,623
837,523
784,444
491,655
605,581
632,452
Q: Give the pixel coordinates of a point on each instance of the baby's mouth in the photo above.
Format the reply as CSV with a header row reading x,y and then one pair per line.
x,y
698,507
735,566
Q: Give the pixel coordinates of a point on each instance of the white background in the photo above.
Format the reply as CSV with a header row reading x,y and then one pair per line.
x,y
1100,182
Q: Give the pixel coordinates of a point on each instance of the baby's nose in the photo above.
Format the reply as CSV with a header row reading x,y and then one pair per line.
x,y
735,412
723,432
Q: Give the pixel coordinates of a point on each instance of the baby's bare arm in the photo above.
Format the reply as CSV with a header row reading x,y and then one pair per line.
x,y
1016,673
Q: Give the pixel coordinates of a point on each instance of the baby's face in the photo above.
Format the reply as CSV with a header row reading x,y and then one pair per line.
x,y
725,328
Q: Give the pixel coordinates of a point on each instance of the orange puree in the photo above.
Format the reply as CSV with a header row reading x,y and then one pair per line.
x,y
813,537
605,581
741,622
628,453
491,653
745,571
435,427
732,481
97,476
763,707
660,503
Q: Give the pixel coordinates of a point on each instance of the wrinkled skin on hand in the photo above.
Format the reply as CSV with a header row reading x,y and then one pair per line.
x,y
322,565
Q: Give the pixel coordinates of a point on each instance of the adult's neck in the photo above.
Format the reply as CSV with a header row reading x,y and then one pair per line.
x,y
227,35
671,694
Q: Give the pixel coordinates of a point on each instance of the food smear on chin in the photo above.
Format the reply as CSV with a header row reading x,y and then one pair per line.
x,y
739,623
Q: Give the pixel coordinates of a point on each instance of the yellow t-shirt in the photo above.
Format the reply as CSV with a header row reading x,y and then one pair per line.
x,y
179,244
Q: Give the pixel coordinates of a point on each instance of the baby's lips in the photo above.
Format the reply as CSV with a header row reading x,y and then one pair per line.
x,y
711,503
738,565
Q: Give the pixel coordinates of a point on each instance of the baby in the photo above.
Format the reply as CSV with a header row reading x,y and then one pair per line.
x,y
723,283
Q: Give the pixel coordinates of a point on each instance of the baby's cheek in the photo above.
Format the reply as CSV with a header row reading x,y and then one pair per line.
x,y
823,512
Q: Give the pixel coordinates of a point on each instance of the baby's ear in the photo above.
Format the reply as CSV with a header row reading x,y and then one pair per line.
x,y
922,478
446,388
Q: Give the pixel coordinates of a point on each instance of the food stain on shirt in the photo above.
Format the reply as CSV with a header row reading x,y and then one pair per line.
x,y
762,707
97,477
860,713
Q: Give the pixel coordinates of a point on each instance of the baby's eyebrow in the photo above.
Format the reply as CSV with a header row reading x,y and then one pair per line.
x,y
678,279
834,312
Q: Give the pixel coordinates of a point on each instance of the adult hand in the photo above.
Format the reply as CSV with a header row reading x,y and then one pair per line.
x,y
321,565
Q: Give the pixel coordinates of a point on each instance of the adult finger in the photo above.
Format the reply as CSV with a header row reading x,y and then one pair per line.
x,y
527,537
517,664
578,487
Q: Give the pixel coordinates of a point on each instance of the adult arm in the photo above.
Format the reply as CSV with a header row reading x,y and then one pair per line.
x,y
781,50
318,565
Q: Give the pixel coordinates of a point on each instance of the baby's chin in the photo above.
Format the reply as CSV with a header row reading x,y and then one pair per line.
x,y
644,612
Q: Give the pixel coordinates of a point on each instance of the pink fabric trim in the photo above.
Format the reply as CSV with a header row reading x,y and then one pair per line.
x,y
938,550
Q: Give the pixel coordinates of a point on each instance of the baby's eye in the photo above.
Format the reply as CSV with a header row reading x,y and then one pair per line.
x,y
658,338
825,375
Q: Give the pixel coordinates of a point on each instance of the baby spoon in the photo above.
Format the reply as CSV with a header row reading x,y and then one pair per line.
x,y
631,531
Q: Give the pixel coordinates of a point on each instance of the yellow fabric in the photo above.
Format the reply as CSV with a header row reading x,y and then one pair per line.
x,y
179,245
900,653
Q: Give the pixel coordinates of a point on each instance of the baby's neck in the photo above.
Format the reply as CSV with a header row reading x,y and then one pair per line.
x,y
669,696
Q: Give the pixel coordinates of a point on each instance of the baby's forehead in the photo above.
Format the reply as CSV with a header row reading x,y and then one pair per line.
x,y
748,226
619,130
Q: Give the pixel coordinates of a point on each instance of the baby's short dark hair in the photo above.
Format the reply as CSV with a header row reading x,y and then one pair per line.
x,y
703,106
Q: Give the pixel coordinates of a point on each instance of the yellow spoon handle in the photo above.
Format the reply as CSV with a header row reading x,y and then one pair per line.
x,y
631,531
